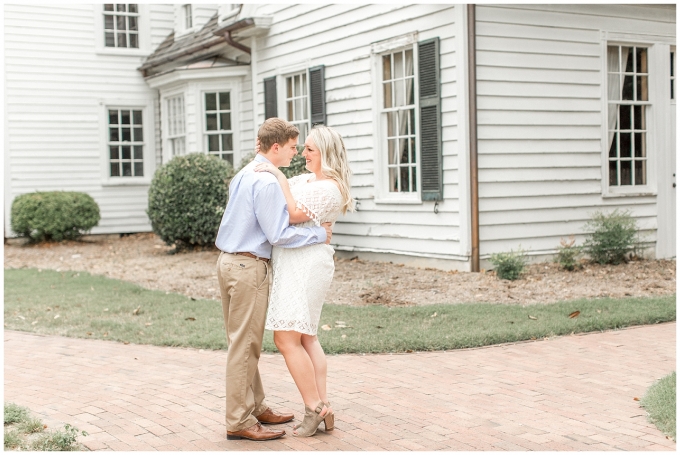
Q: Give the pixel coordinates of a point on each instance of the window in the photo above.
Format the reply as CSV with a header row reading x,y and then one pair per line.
x,y
121,25
398,115
175,126
218,131
672,75
126,143
297,103
188,19
628,101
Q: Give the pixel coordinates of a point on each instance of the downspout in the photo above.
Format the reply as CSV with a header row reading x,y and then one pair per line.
x,y
472,97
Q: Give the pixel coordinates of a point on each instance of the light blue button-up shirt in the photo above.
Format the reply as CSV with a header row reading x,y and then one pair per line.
x,y
257,216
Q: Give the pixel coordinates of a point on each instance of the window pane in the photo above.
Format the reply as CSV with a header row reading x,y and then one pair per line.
x,y
298,109
393,180
624,112
211,122
640,145
108,22
139,154
405,179
399,92
121,23
410,92
613,175
642,88
409,62
626,173
614,80
613,59
627,92
126,134
213,143
113,135
398,65
638,113
625,145
126,152
392,151
387,70
109,40
289,109
138,136
122,40
227,142
304,85
641,172
134,42
297,88
304,131
127,169
672,64
412,115
387,91
139,169
289,88
125,117
108,7
414,180
641,60
132,20
113,152
137,117
391,124
115,170
612,149
211,101
225,121
403,123
120,7
132,7
225,103
403,150
413,149
627,56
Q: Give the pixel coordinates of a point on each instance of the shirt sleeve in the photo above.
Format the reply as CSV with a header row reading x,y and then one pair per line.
x,y
272,215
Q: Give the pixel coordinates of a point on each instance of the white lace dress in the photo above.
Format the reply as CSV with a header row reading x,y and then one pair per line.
x,y
302,276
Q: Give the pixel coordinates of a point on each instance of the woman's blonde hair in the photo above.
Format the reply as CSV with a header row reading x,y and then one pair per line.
x,y
334,163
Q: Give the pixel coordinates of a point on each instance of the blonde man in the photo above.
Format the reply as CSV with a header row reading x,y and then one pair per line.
x,y
256,218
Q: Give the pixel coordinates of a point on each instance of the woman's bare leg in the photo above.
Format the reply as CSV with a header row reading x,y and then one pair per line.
x,y
311,345
300,366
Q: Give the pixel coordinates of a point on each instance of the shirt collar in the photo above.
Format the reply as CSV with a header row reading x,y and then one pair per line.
x,y
261,159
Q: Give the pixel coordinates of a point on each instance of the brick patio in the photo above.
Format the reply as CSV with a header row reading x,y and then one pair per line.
x,y
569,393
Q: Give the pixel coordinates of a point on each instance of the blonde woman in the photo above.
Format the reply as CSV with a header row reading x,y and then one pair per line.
x,y
302,276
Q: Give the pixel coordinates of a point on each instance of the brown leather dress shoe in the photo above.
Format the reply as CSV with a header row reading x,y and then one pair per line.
x,y
269,416
256,433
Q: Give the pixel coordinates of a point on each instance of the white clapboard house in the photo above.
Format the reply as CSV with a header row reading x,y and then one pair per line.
x,y
470,129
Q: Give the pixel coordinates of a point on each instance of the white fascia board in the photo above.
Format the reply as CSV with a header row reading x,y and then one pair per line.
x,y
183,75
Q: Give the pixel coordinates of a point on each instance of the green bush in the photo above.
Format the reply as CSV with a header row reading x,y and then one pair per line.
x,y
567,255
187,198
54,215
611,236
509,266
297,165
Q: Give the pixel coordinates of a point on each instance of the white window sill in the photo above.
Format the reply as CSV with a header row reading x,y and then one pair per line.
x,y
127,181
633,193
398,200
122,51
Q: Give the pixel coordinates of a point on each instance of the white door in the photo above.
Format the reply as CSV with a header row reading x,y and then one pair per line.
x,y
666,234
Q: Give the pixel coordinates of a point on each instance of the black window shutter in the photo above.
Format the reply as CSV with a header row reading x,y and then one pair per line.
x,y
317,94
270,98
430,120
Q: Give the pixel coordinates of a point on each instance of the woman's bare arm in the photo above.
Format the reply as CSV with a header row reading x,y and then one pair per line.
x,y
295,214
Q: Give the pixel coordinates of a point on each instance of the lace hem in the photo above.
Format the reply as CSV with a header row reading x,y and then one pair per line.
x,y
291,326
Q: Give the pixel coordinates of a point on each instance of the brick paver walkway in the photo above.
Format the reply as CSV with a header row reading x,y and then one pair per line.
x,y
568,393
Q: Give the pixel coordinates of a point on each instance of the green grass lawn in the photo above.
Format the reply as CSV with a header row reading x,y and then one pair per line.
x,y
86,306
659,401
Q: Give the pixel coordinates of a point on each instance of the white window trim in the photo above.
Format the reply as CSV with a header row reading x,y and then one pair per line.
x,y
180,29
149,140
382,193
144,34
165,140
654,130
219,86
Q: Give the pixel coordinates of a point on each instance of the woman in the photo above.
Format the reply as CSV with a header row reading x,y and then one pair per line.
x,y
302,276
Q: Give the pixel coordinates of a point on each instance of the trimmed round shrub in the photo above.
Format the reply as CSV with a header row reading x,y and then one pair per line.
x,y
187,198
54,215
611,236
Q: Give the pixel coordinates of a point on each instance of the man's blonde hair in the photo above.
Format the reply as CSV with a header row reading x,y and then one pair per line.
x,y
276,131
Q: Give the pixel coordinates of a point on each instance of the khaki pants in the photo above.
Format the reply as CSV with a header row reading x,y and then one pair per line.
x,y
244,286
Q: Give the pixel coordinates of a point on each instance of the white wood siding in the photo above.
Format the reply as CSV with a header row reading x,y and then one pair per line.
x,y
539,84
56,90
340,37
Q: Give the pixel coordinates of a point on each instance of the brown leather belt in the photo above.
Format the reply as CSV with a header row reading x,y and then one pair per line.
x,y
251,255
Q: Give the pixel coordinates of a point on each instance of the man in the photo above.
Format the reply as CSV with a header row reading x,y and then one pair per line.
x,y
256,218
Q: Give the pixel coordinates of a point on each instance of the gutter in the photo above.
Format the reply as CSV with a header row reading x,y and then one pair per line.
x,y
226,33
474,171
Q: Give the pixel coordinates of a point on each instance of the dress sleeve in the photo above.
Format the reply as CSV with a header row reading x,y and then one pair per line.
x,y
321,203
